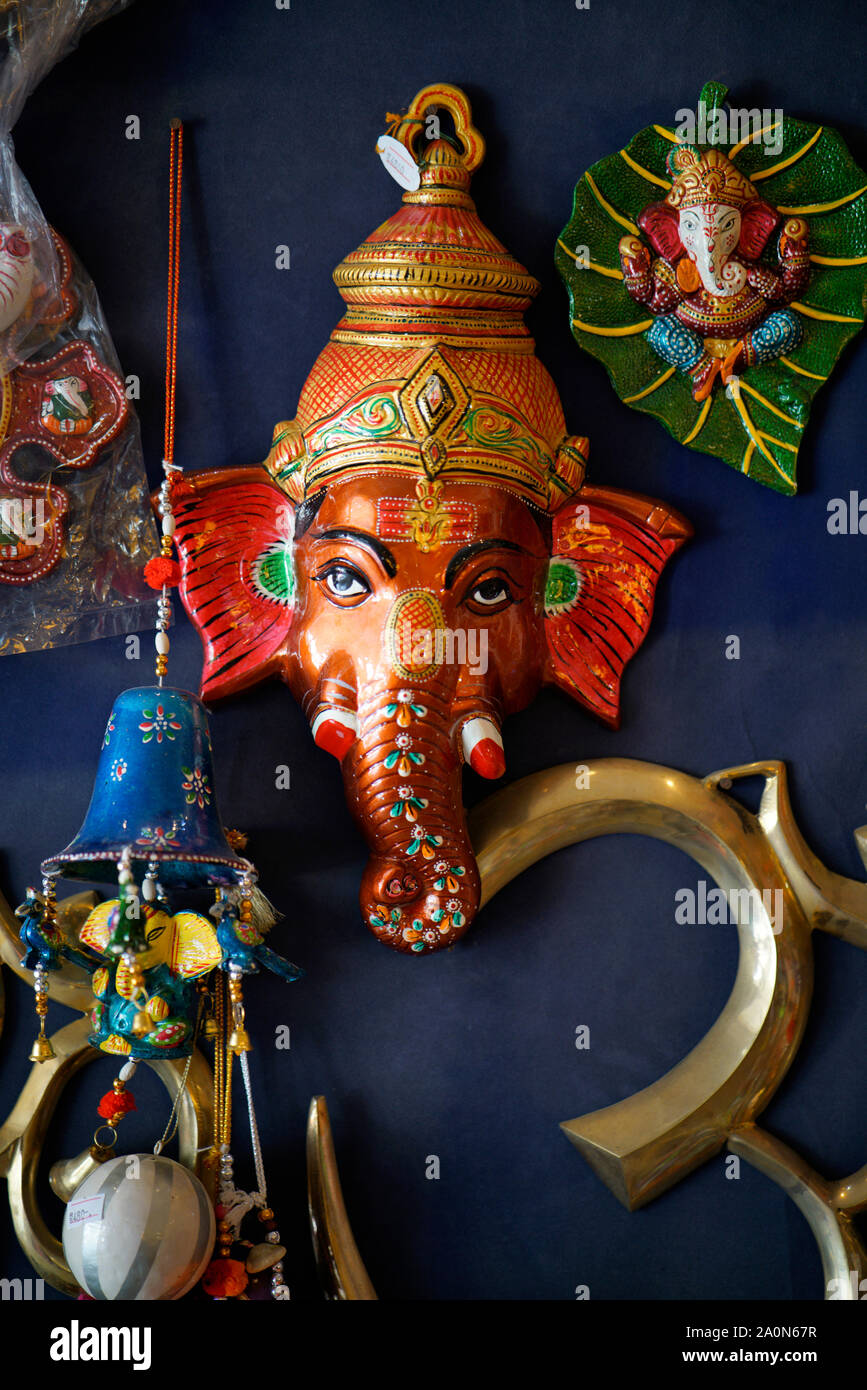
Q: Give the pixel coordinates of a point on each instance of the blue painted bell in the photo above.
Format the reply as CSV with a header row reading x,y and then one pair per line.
x,y
154,798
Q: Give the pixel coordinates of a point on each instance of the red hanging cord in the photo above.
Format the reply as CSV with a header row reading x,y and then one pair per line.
x,y
176,165
163,571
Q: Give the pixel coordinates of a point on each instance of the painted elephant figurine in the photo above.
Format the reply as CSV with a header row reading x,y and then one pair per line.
x,y
720,309
419,552
179,950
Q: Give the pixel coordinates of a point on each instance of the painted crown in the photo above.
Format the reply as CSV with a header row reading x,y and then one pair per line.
x,y
706,178
432,370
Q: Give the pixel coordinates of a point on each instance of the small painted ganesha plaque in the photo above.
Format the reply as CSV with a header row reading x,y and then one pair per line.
x,y
420,552
740,278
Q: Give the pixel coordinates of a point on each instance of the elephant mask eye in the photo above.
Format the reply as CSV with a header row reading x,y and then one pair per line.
x,y
490,595
344,584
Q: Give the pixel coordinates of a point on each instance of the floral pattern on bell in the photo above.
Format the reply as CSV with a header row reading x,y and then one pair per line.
x,y
195,786
158,838
109,730
159,723
163,806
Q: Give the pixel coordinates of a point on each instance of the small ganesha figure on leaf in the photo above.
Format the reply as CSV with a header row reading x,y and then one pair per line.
x,y
720,307
726,305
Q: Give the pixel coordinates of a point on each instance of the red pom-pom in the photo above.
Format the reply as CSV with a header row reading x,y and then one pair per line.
x,y
114,1105
225,1278
161,570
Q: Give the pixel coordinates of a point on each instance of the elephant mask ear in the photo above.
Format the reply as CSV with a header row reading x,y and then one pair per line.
x,y
609,548
234,532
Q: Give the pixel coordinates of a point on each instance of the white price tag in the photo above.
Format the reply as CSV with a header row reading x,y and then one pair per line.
x,y
87,1209
399,162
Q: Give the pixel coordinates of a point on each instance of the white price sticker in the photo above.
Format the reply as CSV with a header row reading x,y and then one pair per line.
x,y
399,162
86,1209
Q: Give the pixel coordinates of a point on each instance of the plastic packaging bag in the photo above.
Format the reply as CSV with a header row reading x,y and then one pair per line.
x,y
76,527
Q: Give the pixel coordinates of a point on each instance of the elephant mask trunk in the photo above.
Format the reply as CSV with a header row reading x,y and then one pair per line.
x,y
420,890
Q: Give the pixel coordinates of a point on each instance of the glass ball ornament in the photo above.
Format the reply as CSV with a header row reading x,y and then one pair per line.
x,y
139,1228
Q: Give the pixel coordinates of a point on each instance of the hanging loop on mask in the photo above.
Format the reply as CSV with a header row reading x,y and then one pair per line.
x,y
453,100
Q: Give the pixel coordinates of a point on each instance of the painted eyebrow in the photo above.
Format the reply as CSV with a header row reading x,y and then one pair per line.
x,y
477,547
348,533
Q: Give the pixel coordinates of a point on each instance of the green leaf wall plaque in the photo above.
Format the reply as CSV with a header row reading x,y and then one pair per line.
x,y
718,269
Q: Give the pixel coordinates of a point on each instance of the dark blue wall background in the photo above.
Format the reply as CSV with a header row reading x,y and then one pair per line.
x,y
469,1055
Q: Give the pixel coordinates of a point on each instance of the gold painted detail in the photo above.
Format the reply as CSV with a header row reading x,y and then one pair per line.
x,y
719,347
622,331
376,279
801,371
416,616
457,103
839,260
432,402
286,454
812,312
808,209
429,522
792,159
418,319
699,424
612,212
374,417
6,390
432,422
424,335
645,173
648,390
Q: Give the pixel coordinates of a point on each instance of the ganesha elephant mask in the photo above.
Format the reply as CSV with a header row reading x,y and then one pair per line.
x,y
419,553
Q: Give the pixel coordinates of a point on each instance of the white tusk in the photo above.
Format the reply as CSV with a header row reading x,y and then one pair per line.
x,y
483,747
335,729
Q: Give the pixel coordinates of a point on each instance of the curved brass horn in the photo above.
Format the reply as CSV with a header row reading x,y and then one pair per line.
x,y
828,1207
645,1144
642,1145
341,1269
